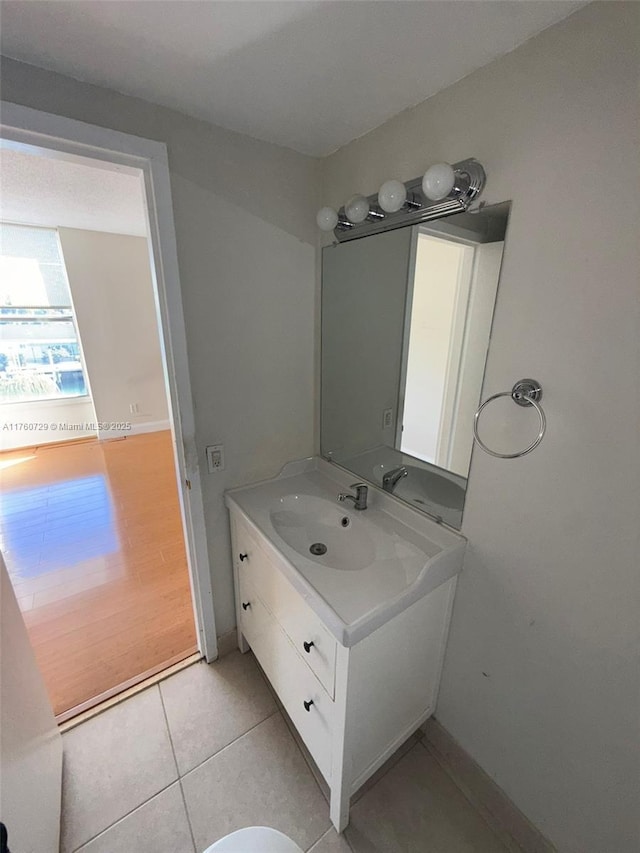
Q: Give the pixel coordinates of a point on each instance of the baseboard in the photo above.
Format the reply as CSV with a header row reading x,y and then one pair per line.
x,y
227,643
149,426
504,817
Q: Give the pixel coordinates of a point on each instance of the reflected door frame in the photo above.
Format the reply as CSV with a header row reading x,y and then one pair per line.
x,y
454,356
406,333
62,138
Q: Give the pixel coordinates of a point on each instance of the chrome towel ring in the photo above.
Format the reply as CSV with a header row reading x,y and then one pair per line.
x,y
526,392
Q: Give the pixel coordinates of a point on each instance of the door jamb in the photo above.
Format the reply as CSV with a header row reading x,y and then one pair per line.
x,y
69,139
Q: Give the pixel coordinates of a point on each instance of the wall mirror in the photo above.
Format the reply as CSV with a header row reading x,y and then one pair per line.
x,y
406,323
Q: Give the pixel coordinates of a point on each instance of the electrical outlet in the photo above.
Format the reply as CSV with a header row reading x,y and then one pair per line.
x,y
134,408
215,458
387,419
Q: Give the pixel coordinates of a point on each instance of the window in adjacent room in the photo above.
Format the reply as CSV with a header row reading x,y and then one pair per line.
x,y
40,355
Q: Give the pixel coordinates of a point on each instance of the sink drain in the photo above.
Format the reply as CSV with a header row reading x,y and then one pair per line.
x,y
318,549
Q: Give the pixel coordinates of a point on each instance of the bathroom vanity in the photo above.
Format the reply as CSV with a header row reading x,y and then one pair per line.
x,y
346,611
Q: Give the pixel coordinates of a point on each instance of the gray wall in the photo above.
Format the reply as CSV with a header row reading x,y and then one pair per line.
x,y
547,605
244,213
112,291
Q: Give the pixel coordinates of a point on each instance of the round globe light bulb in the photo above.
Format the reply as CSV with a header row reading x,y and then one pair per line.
x,y
327,219
438,181
392,196
357,209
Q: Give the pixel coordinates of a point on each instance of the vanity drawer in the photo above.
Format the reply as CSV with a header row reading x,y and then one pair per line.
x,y
294,683
255,619
316,646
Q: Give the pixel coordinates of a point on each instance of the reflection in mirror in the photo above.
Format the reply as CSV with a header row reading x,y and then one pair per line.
x,y
406,322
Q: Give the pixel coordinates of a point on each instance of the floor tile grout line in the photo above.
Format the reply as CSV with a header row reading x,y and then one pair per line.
x,y
231,743
127,814
166,722
148,800
322,834
175,761
119,698
304,758
280,711
180,778
226,746
187,815
328,832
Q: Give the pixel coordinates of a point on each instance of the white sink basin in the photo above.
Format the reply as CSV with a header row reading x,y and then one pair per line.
x,y
324,532
377,562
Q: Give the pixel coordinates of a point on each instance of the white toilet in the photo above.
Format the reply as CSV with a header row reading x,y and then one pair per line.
x,y
255,839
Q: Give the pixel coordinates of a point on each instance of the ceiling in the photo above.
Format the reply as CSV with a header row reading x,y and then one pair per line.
x,y
308,75
37,190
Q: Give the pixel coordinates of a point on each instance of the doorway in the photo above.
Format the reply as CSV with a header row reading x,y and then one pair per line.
x,y
128,493
452,289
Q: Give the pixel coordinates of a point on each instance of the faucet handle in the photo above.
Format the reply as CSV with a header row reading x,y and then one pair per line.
x,y
360,497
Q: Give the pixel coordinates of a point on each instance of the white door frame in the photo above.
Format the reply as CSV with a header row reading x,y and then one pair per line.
x,y
62,137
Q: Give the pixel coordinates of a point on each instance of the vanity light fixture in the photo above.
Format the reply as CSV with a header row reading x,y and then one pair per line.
x,y
327,218
330,220
357,209
444,189
392,196
438,181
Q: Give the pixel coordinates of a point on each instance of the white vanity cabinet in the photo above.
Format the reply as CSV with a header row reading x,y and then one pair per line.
x,y
352,706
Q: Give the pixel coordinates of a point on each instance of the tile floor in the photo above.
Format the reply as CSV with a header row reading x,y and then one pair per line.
x,y
206,752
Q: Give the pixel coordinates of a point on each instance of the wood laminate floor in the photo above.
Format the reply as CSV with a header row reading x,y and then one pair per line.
x,y
93,542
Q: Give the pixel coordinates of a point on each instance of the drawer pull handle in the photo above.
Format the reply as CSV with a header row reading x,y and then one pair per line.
x,y
243,557
307,705
246,605
308,646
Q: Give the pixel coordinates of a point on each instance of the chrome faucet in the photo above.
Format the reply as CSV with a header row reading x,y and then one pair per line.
x,y
391,478
360,497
